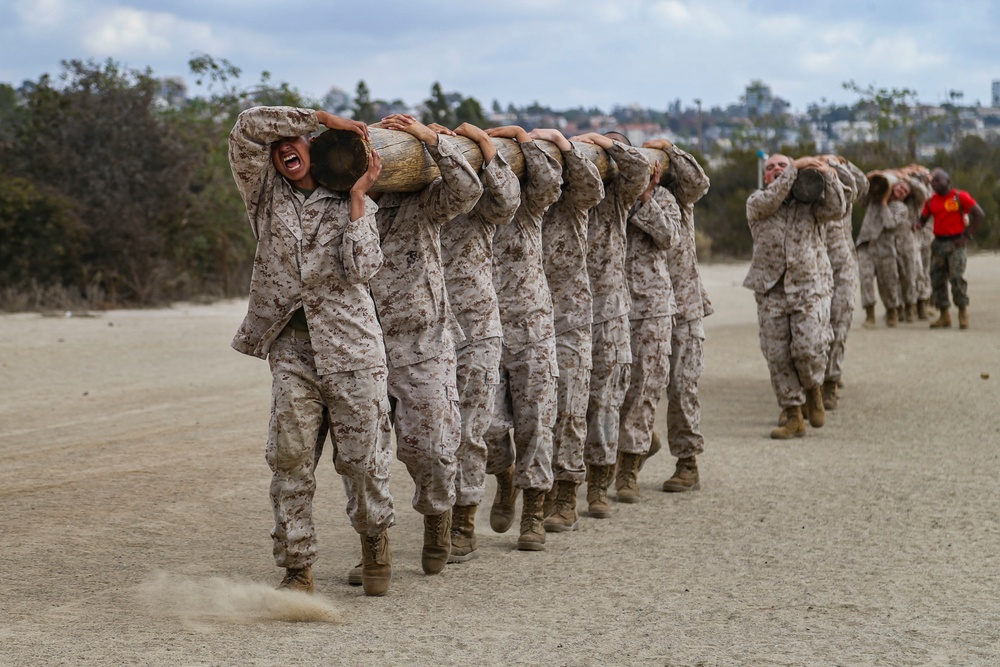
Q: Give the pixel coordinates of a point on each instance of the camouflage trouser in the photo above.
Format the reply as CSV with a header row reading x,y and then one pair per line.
x,y
794,341
526,402
907,262
887,270
925,236
354,407
478,376
608,382
424,400
648,378
845,279
866,274
687,362
574,354
948,266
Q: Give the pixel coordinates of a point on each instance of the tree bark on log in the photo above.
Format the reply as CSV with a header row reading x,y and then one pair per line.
x,y
340,157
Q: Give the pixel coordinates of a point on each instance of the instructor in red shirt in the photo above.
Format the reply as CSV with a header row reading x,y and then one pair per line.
x,y
950,208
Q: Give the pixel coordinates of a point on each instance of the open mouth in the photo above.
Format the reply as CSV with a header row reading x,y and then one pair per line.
x,y
291,161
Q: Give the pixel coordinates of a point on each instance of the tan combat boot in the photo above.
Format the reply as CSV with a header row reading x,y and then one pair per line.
x,y
502,512
814,406
354,576
963,317
830,395
464,545
795,426
437,542
654,446
598,479
911,312
298,579
532,523
942,322
869,322
891,317
563,517
627,478
376,563
685,477
922,309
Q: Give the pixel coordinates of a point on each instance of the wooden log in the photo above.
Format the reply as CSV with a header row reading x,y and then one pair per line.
x,y
808,186
880,185
340,157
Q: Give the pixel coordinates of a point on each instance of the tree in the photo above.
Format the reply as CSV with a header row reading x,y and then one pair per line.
x,y
437,108
364,108
470,111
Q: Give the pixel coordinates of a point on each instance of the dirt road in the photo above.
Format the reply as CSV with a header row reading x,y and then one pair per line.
x,y
136,517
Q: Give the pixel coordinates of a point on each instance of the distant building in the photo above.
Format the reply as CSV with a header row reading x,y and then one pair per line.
x,y
759,99
996,93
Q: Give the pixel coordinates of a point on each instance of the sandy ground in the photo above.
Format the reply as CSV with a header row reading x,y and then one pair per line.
x,y
135,523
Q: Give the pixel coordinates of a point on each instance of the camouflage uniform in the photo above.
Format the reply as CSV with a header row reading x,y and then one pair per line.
x,y
786,275
564,242
420,330
652,230
526,399
311,256
922,238
467,250
877,256
688,183
840,249
907,253
612,358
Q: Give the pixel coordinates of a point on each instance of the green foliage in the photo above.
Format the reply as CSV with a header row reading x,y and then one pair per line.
x,y
364,109
438,110
470,111
721,214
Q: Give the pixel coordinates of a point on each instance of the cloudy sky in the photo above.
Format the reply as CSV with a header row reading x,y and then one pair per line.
x,y
562,53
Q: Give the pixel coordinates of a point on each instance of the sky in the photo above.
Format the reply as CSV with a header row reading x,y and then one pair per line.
x,y
560,53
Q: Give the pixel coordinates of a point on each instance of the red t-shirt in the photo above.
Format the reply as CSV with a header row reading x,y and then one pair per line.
x,y
948,211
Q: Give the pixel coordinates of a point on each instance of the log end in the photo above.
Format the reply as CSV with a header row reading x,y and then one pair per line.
x,y
808,186
339,158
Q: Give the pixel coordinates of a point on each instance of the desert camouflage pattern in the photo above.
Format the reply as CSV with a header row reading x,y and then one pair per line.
x,y
866,274
876,233
920,192
467,253
788,242
606,239
648,378
794,338
304,405
426,417
844,264
688,184
564,241
574,355
652,230
478,376
609,380
907,252
309,255
948,267
409,291
526,402
518,262
687,363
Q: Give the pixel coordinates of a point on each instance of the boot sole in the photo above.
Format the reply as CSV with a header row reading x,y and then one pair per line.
x,y
472,555
530,546
601,514
628,500
676,488
354,578
501,524
559,527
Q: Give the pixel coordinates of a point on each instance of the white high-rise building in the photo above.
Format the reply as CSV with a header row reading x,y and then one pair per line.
x,y
996,93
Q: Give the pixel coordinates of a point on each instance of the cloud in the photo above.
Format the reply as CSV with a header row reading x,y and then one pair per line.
x,y
125,31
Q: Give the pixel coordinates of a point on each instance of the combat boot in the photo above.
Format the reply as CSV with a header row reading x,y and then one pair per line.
x,y
830,395
563,517
794,426
376,563
911,312
963,317
437,542
532,523
654,446
685,477
627,478
298,579
598,479
869,322
891,317
502,512
464,545
814,406
354,575
922,309
943,321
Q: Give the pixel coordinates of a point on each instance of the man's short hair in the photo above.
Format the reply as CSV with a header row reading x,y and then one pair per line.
x,y
623,139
